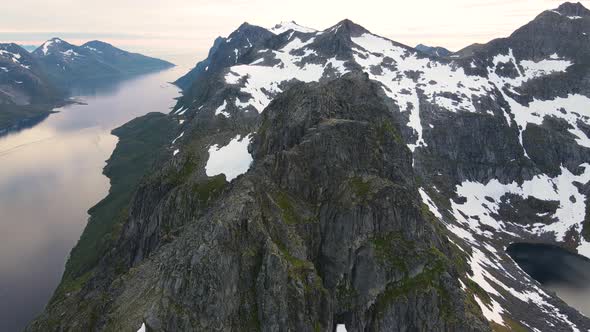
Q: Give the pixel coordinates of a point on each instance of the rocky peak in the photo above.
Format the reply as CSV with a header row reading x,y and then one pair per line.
x,y
348,27
246,37
14,55
290,26
435,51
51,46
247,30
571,9
97,44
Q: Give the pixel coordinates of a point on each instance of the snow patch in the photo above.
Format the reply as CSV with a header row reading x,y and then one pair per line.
x,y
221,110
177,138
231,160
341,328
286,26
482,202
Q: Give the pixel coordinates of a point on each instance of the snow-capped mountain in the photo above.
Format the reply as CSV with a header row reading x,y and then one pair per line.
x,y
31,84
525,92
66,63
369,161
23,87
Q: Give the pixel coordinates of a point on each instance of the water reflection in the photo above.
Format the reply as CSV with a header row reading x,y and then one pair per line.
x,y
50,175
559,270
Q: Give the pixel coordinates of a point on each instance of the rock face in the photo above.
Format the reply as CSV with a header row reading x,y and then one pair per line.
x,y
326,228
26,92
436,51
385,186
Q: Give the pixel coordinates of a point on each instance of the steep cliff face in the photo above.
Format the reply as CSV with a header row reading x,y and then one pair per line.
x,y
326,227
382,193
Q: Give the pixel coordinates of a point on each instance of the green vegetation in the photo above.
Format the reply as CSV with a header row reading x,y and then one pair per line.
x,y
285,203
511,326
297,265
392,250
13,115
361,188
140,143
426,281
209,189
474,289
183,174
387,129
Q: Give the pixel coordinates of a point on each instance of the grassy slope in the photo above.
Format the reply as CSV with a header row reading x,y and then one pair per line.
x,y
12,115
140,143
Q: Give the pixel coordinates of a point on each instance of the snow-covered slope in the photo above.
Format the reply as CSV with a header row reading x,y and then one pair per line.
x,y
290,26
499,137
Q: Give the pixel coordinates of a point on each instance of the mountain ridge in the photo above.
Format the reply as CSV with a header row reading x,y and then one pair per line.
x,y
34,83
67,64
473,152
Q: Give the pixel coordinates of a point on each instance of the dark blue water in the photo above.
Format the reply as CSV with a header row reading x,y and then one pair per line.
x,y
565,273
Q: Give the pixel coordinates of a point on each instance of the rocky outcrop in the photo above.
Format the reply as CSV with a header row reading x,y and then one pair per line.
x,y
327,227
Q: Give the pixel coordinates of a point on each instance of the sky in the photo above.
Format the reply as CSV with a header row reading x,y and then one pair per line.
x,y
168,28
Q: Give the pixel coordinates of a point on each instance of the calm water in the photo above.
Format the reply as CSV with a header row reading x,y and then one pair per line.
x,y
557,269
50,175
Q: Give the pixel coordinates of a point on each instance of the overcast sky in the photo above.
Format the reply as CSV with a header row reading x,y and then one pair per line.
x,y
166,27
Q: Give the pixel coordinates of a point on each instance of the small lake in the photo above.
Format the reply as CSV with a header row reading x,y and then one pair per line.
x,y
565,273
51,174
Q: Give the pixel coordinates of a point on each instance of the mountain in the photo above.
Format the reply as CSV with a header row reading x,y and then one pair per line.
x,y
335,177
67,64
433,50
31,84
26,92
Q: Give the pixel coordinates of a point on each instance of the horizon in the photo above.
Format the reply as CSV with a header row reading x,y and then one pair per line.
x,y
184,28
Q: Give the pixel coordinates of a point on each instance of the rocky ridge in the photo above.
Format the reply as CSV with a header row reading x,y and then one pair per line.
x,y
402,185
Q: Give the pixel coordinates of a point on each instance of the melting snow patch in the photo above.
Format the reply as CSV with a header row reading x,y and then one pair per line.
x,y
286,26
70,53
263,82
341,328
221,110
231,160
561,188
179,136
428,201
404,89
492,313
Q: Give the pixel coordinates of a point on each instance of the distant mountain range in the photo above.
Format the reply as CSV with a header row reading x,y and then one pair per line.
x,y
67,64
33,83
